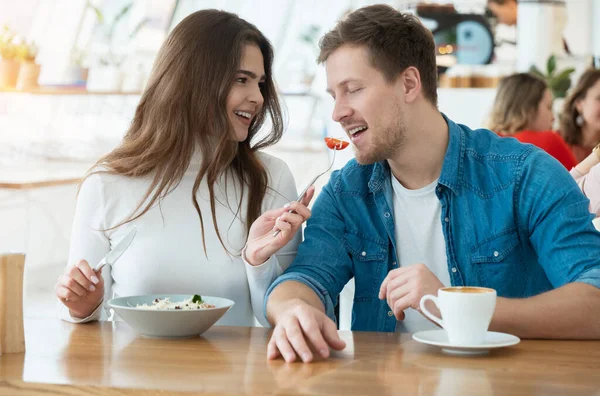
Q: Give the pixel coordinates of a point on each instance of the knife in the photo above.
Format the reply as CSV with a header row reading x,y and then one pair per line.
x,y
117,251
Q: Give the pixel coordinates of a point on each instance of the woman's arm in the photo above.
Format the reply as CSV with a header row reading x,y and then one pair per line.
x,y
89,242
587,176
588,163
260,277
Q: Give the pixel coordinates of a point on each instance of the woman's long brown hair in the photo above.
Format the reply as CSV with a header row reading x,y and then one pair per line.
x,y
570,131
183,110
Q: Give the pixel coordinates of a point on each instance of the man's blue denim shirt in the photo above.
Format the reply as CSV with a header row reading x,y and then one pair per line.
x,y
513,219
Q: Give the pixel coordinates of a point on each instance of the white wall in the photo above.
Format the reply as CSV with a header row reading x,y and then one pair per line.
x,y
578,32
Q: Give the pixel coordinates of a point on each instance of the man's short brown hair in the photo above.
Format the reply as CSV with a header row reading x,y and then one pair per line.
x,y
394,40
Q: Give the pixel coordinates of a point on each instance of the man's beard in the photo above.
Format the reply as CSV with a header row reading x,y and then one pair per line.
x,y
383,144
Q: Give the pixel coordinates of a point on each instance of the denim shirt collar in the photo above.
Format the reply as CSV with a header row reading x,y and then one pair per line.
x,y
451,169
381,173
453,160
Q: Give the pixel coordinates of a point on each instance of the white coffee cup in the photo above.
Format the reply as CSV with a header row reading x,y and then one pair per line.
x,y
466,312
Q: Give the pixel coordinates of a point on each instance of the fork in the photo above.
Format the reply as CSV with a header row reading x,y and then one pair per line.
x,y
308,186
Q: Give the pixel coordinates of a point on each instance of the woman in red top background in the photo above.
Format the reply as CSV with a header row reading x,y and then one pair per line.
x,y
523,110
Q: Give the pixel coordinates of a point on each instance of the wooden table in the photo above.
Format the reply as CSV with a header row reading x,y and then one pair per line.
x,y
109,359
41,174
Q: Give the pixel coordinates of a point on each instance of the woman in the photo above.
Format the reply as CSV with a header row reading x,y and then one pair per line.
x,y
188,178
580,117
523,110
581,125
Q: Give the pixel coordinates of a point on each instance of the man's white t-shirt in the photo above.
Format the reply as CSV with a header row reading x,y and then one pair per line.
x,y
419,239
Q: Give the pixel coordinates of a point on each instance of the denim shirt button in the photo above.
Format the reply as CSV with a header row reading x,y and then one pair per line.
x,y
394,264
496,254
363,254
387,214
390,313
454,269
446,220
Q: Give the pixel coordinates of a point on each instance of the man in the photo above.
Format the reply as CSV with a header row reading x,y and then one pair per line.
x,y
505,11
429,203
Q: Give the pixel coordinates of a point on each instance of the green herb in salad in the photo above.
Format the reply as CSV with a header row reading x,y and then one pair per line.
x,y
197,299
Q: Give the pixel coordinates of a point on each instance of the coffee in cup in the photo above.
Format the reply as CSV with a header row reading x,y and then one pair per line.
x,y
468,289
466,312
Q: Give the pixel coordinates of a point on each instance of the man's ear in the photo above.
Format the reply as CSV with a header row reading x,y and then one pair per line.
x,y
411,83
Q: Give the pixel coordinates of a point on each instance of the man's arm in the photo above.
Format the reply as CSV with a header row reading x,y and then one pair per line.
x,y
569,312
289,294
300,303
554,213
322,266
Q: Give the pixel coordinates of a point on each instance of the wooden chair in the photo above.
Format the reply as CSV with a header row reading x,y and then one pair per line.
x,y
12,336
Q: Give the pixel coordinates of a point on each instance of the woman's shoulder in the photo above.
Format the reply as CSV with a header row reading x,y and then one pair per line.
x,y
102,176
276,167
101,180
270,161
553,137
282,186
553,144
541,135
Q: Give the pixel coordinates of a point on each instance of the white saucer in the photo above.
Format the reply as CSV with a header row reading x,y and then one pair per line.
x,y
440,338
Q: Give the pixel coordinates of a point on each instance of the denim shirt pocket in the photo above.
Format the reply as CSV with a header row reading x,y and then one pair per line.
x,y
499,263
368,256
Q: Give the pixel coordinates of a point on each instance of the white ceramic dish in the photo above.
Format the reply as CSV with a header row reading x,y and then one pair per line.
x,y
440,338
169,323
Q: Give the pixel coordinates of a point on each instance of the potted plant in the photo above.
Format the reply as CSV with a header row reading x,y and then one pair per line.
x,y
9,66
310,37
105,74
78,69
559,82
29,71
299,68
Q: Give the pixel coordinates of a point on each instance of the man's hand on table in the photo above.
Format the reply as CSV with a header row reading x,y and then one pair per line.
x,y
299,328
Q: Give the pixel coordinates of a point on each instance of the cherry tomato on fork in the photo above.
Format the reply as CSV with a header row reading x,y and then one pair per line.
x,y
336,144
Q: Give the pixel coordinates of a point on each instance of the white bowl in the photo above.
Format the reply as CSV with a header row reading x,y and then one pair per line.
x,y
172,322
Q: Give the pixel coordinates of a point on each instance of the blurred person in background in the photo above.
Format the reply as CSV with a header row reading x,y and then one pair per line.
x,y
523,109
504,10
190,176
580,116
580,125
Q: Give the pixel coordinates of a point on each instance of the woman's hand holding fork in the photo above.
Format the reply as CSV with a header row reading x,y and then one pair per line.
x,y
263,242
